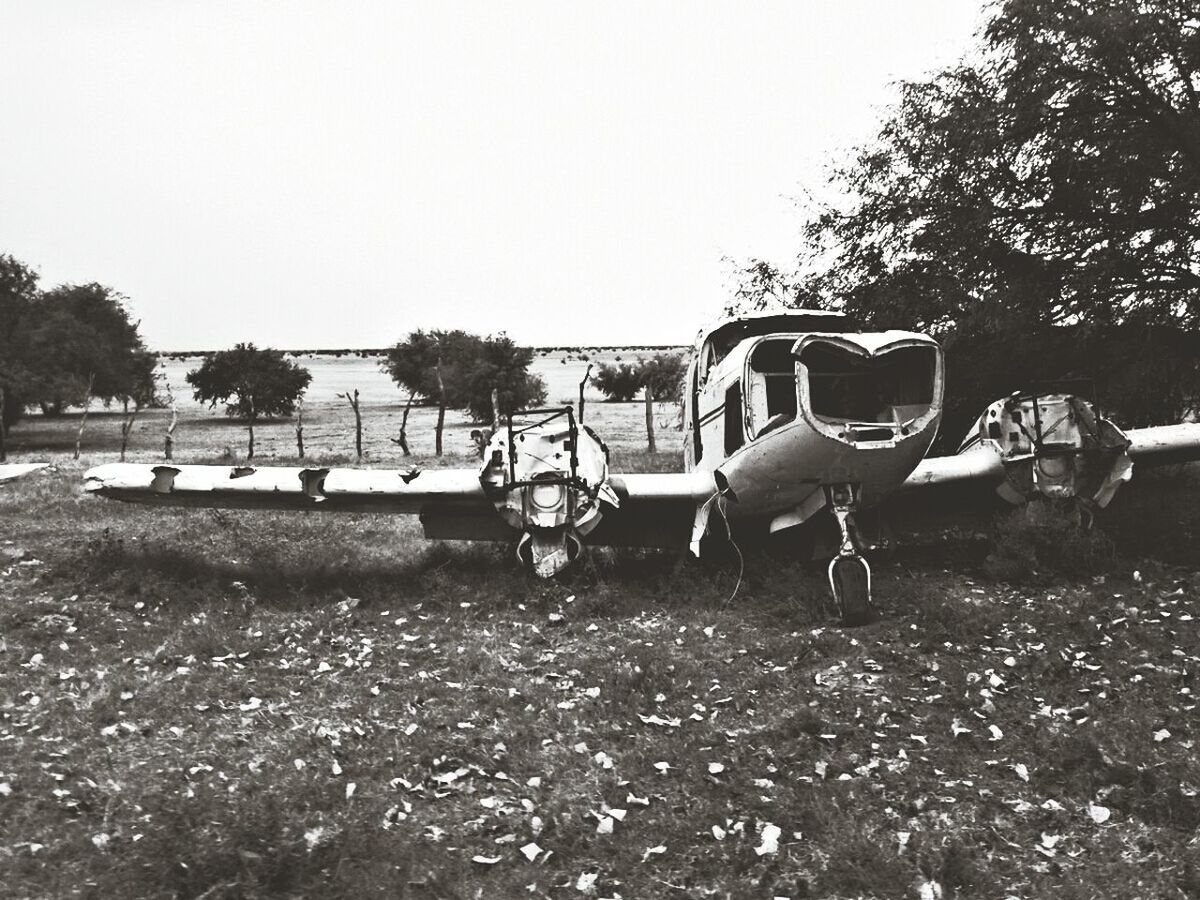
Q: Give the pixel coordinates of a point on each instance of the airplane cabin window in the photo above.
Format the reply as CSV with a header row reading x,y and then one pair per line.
x,y
735,434
773,385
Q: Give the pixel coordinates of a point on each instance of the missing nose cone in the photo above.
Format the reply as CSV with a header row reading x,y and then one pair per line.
x,y
869,389
548,550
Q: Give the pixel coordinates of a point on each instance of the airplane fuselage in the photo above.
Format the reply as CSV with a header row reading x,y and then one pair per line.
x,y
782,409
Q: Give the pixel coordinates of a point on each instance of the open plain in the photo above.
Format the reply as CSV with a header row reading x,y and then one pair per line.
x,y
227,704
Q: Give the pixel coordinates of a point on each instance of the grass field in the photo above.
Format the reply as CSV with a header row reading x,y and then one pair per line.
x,y
203,704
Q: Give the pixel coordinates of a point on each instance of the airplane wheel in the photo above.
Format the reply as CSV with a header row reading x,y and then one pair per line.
x,y
852,584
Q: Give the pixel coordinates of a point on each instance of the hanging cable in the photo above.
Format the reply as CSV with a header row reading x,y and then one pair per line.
x,y
721,504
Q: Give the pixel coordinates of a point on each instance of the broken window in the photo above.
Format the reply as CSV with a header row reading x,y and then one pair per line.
x,y
772,386
891,389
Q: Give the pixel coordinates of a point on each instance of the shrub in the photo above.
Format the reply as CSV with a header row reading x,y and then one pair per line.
x,y
252,383
1053,537
619,382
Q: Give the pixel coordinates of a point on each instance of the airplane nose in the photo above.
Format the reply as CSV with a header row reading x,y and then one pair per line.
x,y
866,392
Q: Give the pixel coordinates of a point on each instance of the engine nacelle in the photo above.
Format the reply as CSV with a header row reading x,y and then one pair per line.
x,y
1053,445
548,478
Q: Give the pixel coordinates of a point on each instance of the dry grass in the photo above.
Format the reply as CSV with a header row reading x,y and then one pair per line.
x,y
249,705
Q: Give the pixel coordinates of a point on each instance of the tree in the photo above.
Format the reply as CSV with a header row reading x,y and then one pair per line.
x,y
619,382
663,374
459,370
62,347
1056,179
18,294
497,364
252,383
414,364
1051,180
81,334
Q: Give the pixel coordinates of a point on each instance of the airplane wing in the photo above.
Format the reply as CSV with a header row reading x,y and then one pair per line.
x,y
979,461
12,471
1057,447
314,488
656,510
1164,444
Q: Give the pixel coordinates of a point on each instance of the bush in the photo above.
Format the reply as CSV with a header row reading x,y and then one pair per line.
x,y
663,374
1044,537
252,383
619,382
471,367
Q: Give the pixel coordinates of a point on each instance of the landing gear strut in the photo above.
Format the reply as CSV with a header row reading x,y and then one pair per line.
x,y
849,573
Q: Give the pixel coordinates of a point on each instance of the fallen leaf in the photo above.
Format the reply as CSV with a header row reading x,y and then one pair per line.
x,y
1099,814
586,882
770,840
659,720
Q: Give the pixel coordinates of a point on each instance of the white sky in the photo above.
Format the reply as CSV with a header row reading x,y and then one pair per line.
x,y
338,173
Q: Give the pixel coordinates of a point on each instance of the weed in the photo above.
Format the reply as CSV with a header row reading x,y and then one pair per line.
x,y
1045,538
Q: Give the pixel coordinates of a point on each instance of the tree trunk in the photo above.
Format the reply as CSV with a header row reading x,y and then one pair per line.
x,y
169,440
87,405
403,439
586,376
250,423
441,420
357,426
300,429
3,430
495,410
127,426
650,419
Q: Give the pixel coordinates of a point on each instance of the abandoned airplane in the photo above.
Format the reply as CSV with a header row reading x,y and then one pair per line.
x,y
789,419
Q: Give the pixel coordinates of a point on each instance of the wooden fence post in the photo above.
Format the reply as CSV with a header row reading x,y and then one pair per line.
x,y
353,401
300,428
586,376
650,418
127,421
87,405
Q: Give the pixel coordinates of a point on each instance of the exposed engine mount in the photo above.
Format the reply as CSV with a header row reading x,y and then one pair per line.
x,y
547,477
1054,445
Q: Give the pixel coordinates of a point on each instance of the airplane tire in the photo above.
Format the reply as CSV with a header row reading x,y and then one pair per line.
x,y
854,591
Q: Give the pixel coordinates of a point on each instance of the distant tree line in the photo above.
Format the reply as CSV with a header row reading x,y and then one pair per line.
x,y
66,346
1037,207
69,345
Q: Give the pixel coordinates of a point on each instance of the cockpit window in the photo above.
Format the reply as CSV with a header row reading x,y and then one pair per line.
x,y
846,387
772,385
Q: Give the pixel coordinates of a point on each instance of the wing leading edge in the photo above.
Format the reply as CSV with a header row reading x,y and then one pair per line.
x,y
13,471
1056,446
